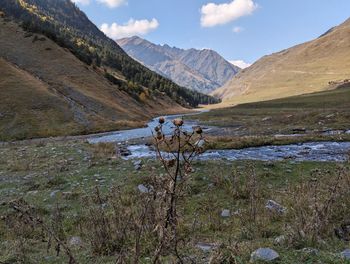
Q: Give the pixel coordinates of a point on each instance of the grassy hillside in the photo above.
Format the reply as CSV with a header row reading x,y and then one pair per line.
x,y
305,68
65,24
65,77
47,91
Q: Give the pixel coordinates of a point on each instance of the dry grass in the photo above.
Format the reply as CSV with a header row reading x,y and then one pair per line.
x,y
302,69
313,113
46,91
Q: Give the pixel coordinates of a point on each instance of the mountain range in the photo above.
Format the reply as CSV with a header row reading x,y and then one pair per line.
x,y
61,76
309,67
201,70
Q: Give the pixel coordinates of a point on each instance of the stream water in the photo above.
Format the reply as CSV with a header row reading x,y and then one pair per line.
x,y
312,151
144,132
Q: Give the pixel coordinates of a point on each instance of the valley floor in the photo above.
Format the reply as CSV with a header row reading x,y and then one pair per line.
x,y
90,200
63,177
323,116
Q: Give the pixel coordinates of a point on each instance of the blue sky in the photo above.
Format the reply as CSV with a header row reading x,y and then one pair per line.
x,y
237,29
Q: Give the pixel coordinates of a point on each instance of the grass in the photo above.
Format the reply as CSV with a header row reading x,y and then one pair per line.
x,y
46,91
236,142
259,123
67,173
304,68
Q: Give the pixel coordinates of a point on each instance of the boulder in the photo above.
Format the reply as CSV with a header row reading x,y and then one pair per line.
x,y
264,254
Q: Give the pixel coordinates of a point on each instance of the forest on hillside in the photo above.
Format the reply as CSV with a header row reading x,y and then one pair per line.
x,y
69,27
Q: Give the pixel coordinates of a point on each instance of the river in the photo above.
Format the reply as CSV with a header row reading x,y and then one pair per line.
x,y
311,151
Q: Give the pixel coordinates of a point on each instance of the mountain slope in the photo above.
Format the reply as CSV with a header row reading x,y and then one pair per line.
x,y
51,84
64,23
305,68
201,70
46,91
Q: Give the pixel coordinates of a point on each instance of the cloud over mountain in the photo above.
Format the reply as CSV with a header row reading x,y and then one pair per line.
x,y
111,3
219,14
131,28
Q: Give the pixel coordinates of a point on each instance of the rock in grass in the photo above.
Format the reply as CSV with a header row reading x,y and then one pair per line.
x,y
279,241
143,189
275,207
343,232
264,254
310,251
137,164
75,241
53,193
346,254
205,247
225,213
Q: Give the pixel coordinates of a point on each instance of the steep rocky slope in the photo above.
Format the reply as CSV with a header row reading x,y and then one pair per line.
x,y
201,70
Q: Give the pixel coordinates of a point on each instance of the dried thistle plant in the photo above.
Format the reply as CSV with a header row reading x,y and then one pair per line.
x,y
176,153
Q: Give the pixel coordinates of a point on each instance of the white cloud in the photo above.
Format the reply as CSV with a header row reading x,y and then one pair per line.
x,y
112,3
240,63
237,29
131,28
83,2
218,14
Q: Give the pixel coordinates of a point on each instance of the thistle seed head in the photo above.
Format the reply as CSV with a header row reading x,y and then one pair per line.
x,y
178,122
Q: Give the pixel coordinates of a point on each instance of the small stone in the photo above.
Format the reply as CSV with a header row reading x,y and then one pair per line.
x,y
205,246
346,254
264,254
279,241
75,241
53,193
225,213
275,207
143,189
137,164
310,251
343,232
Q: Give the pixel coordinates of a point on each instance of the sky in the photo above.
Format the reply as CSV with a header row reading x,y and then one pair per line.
x,y
241,31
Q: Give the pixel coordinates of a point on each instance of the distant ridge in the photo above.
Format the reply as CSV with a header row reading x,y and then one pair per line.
x,y
201,70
